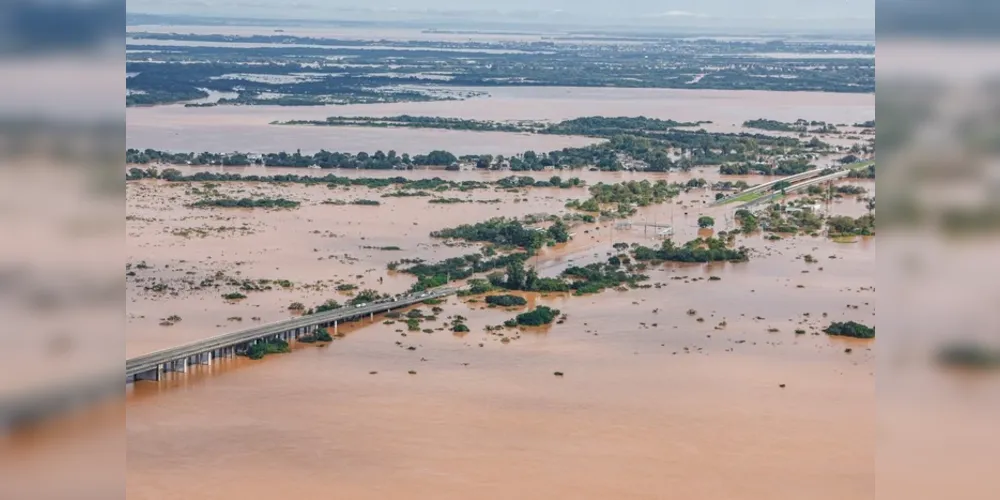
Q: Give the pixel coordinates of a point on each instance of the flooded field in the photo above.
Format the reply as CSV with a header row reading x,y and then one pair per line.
x,y
248,129
728,402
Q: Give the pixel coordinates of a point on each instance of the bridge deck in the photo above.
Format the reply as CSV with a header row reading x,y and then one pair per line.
x,y
154,360
797,187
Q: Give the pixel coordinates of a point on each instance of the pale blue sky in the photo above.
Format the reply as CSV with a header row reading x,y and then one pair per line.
x,y
641,12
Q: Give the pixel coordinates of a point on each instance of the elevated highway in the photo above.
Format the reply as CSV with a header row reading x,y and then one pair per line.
x,y
150,366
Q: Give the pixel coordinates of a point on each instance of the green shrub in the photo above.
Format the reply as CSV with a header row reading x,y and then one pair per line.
x,y
506,300
261,349
542,315
850,329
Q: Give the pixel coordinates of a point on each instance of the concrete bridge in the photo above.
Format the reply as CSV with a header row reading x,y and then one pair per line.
x,y
151,366
767,185
841,171
629,224
796,187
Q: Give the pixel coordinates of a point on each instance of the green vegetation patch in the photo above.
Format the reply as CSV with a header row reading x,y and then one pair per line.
x,y
541,315
697,250
506,300
507,232
261,349
246,203
850,329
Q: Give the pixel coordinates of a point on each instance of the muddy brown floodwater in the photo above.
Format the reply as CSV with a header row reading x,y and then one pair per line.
x,y
248,129
653,402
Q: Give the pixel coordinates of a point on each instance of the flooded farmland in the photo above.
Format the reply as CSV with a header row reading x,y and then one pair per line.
x,y
710,381
652,397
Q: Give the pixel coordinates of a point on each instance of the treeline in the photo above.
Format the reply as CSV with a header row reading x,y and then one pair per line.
x,y
503,231
774,125
246,203
606,126
323,159
843,225
629,145
333,181
799,125
407,121
697,250
594,126
790,166
523,181
658,151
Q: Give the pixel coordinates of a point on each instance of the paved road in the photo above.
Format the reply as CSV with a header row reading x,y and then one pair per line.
x,y
796,187
767,185
151,361
842,170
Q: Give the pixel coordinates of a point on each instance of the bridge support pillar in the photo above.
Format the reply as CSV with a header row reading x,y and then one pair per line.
x,y
153,375
204,358
334,327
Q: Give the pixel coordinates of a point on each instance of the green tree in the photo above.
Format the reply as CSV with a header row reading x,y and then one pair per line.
x,y
705,221
171,174
515,276
559,232
364,296
531,279
484,161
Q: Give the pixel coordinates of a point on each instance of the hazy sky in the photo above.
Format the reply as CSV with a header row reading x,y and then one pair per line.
x,y
643,12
